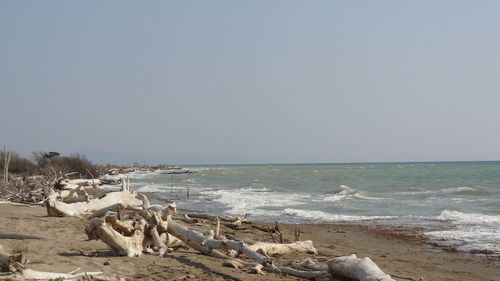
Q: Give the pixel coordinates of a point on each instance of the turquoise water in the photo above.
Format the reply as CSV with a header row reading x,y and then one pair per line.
x,y
456,202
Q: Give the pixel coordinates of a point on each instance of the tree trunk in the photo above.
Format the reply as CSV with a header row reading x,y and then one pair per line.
x,y
80,209
30,274
280,249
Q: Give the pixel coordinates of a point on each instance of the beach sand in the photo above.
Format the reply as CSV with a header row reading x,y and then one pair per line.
x,y
65,240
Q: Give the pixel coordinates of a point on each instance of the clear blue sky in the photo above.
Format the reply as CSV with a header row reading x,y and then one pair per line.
x,y
252,81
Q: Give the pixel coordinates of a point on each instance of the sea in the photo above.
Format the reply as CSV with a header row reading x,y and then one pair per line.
x,y
454,203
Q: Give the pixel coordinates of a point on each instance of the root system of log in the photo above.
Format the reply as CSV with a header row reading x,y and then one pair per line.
x,y
125,240
7,260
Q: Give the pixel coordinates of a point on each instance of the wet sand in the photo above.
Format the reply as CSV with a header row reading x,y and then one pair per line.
x,y
65,247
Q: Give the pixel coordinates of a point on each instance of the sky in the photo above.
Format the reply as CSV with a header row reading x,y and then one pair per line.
x,y
190,82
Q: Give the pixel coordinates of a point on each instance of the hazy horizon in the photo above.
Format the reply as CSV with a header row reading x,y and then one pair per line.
x,y
225,82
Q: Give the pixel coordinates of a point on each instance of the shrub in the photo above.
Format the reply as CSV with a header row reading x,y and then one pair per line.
x,y
18,165
52,163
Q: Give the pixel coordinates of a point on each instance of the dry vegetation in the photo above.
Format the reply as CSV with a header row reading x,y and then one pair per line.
x,y
29,181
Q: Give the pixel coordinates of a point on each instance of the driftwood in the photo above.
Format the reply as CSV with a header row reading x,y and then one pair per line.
x,y
310,264
242,239
125,240
126,197
14,263
156,230
64,183
280,249
362,269
7,259
209,245
7,235
22,273
130,226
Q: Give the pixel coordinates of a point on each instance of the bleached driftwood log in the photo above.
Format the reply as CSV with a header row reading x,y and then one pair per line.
x,y
124,239
280,249
67,184
7,259
310,264
126,197
362,269
158,229
129,237
208,245
18,236
86,182
23,273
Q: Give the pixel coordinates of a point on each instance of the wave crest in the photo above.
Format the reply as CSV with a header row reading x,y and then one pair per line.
x,y
322,216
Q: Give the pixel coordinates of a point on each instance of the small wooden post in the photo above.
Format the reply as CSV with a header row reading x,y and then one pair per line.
x,y
6,165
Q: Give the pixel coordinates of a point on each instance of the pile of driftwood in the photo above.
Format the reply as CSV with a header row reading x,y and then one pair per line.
x,y
30,190
37,189
40,190
131,226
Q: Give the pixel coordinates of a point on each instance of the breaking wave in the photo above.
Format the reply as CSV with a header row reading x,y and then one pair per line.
x,y
469,230
460,190
327,217
344,192
255,200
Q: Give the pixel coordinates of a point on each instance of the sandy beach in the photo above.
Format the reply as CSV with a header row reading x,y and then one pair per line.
x,y
65,247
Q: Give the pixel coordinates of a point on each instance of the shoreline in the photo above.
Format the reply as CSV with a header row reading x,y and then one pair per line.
x,y
65,247
397,231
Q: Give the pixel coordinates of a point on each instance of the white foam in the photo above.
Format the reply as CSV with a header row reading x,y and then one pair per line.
x,y
362,196
471,230
322,216
441,191
131,175
334,198
257,201
344,192
468,218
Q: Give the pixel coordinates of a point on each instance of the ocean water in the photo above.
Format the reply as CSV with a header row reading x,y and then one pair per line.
x,y
457,203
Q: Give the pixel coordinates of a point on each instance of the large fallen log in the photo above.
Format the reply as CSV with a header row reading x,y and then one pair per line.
x,y
280,249
22,273
86,182
123,239
67,184
208,245
362,269
126,197
18,236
